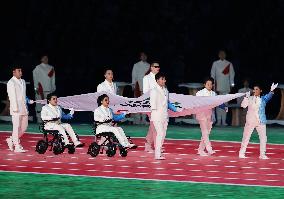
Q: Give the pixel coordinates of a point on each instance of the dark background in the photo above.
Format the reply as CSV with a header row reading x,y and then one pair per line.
x,y
83,37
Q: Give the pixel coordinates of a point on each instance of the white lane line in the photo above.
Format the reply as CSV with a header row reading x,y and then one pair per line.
x,y
125,166
211,165
213,177
252,162
250,179
183,154
246,167
107,171
159,168
142,167
272,174
25,160
161,174
250,173
179,175
141,173
92,170
271,180
195,170
123,172
9,159
274,163
121,160
72,163
173,163
21,166
180,148
213,171
11,154
109,165
233,172
217,160
231,178
178,169
89,164
230,166
3,165
197,176
57,162
74,169
42,161
264,168
140,161
37,167
56,168
233,161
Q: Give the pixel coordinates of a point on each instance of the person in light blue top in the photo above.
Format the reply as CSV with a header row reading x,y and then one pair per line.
x,y
256,119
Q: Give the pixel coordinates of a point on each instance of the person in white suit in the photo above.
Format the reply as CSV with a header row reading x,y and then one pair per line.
x,y
44,82
149,82
223,73
51,114
16,89
138,72
159,102
104,116
108,85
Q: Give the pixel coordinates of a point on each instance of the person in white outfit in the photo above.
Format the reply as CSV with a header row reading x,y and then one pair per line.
x,y
159,101
51,114
108,85
44,82
104,116
223,73
138,72
16,89
149,82
256,119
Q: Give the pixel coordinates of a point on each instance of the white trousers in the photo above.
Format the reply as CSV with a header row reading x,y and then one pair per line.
x,y
161,130
20,124
117,131
205,127
61,128
151,135
261,130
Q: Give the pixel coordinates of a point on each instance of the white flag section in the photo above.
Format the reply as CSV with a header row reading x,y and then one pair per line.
x,y
186,104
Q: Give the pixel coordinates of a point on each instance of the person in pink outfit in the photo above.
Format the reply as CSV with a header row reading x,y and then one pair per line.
x,y
256,119
205,120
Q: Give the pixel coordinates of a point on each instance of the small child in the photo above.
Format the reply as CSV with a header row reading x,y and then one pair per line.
x,y
256,118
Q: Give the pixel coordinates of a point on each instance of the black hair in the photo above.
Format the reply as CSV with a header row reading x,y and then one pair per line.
x,y
100,99
16,67
159,75
208,79
258,85
49,96
106,69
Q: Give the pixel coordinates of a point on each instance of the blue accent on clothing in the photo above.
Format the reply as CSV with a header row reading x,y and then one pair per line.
x,y
172,107
222,106
117,117
27,100
261,112
66,116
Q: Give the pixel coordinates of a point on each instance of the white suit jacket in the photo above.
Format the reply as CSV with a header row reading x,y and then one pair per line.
x,y
102,114
149,82
106,86
16,89
45,75
138,72
223,81
159,98
206,114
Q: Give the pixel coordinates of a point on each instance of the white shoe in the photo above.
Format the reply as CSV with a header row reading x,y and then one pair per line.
x,y
19,150
10,143
263,157
148,148
79,144
160,157
241,155
211,152
202,153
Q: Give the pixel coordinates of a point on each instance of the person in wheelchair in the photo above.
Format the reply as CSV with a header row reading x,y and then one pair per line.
x,y
104,117
51,114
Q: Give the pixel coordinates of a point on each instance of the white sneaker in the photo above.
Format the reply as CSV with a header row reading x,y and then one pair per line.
x,y
263,157
160,157
241,155
10,143
19,150
202,153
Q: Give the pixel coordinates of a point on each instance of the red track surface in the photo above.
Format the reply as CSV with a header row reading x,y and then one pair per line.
x,y
182,163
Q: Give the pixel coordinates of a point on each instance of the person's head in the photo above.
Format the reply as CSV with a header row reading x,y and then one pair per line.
x,y
257,90
155,67
17,72
108,75
208,83
44,59
143,57
161,79
222,54
103,100
246,83
52,99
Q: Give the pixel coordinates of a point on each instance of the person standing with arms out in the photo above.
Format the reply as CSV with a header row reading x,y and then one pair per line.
x,y
149,82
159,101
108,85
16,89
256,118
138,72
223,73
44,82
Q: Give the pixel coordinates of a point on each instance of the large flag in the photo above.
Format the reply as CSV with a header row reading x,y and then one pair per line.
x,y
186,104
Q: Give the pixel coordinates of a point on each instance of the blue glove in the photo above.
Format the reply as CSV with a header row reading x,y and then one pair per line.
x,y
172,107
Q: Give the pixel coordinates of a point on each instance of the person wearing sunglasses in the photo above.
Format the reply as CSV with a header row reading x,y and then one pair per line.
x,y
149,83
104,117
52,114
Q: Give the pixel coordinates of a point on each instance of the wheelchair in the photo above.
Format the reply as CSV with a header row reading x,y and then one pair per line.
x,y
56,144
110,144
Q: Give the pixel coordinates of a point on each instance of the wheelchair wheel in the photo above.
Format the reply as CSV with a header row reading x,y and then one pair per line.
x,y
123,152
58,147
41,146
111,151
94,149
71,149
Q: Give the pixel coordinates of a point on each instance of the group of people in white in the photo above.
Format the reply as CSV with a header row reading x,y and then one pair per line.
x,y
145,78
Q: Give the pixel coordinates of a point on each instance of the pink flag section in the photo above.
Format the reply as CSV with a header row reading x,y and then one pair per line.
x,y
186,104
